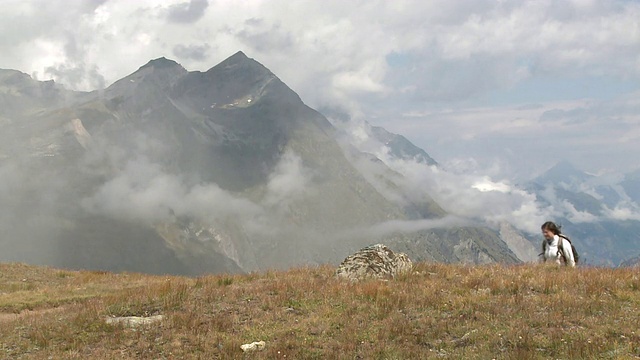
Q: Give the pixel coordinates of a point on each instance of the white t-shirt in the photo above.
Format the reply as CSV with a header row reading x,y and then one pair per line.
x,y
551,252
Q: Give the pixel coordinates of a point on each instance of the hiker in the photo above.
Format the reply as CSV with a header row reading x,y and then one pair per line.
x,y
555,246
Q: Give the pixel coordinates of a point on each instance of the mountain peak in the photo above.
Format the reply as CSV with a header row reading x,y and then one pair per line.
x,y
565,167
564,164
240,60
160,72
563,172
159,63
400,147
239,56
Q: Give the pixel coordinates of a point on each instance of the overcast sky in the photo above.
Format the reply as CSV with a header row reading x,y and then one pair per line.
x,y
508,87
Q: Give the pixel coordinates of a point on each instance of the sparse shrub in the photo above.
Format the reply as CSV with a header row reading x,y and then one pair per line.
x,y
225,281
63,274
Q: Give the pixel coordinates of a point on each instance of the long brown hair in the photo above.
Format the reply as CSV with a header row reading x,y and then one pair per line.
x,y
551,226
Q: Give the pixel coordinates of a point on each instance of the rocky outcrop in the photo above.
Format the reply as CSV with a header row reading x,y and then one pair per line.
x,y
518,244
374,262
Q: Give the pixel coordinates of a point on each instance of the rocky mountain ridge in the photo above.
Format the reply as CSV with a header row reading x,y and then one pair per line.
x,y
226,170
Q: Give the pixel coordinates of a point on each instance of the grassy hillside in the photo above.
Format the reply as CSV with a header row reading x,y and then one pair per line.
x,y
439,311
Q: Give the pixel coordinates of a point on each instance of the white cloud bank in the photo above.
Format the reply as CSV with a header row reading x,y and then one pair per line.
x,y
376,58
339,48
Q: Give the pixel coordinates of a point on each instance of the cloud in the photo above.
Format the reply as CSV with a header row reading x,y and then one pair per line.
x,y
486,185
31,209
403,226
463,194
345,52
623,212
577,216
289,181
468,189
551,37
263,37
142,191
140,188
473,196
187,12
460,48
595,135
193,52
77,76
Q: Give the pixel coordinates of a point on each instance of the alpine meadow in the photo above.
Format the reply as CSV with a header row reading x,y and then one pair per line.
x,y
252,179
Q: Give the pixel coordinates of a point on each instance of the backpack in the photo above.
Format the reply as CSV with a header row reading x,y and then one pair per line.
x,y
573,250
561,250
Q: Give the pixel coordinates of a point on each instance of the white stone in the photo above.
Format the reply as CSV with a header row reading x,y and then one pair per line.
x,y
254,346
134,321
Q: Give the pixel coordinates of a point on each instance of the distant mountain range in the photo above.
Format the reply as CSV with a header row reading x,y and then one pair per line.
x,y
602,212
227,170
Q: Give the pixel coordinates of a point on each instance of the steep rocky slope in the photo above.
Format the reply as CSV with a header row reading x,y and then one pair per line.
x,y
174,171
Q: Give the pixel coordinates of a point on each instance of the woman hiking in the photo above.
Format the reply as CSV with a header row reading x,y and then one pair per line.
x,y
555,246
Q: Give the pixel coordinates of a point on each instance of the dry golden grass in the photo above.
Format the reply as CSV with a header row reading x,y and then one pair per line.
x,y
439,311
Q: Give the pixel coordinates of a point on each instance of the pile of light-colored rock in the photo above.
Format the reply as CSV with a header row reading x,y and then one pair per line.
x,y
374,262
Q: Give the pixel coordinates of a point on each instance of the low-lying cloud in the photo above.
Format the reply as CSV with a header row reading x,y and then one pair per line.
x,y
391,227
465,189
623,212
142,191
289,181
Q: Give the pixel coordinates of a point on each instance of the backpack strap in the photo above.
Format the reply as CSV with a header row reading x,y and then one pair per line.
x,y
562,236
561,248
562,255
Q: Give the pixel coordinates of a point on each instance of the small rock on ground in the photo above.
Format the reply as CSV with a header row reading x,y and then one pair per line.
x,y
134,321
254,346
